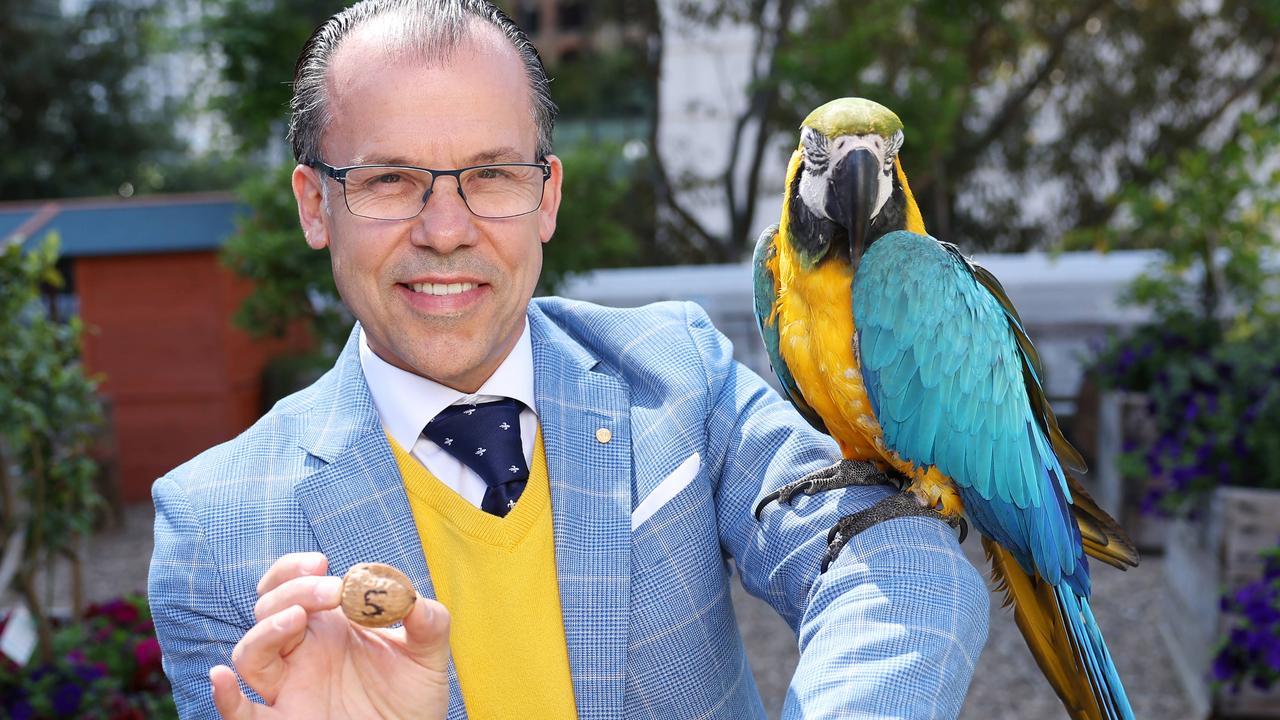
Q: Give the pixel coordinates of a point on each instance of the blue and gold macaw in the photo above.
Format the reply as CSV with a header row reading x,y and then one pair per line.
x,y
912,357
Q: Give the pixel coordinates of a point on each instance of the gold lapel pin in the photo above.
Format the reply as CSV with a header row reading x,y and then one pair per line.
x,y
603,435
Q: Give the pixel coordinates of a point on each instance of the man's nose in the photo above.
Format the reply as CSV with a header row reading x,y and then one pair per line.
x,y
445,223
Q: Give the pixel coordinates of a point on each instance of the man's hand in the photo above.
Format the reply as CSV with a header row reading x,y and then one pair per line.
x,y
307,660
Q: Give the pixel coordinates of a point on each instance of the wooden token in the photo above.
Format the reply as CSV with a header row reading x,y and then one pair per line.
x,y
376,595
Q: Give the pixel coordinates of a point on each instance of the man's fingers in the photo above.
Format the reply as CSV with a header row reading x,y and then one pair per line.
x,y
231,703
259,656
291,566
313,594
426,631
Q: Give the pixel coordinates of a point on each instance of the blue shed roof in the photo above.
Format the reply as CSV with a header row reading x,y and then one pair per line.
x,y
147,225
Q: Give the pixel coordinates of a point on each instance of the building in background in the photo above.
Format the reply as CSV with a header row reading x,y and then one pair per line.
x,y
144,276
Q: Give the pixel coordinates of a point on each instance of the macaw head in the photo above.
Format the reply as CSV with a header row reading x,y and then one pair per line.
x,y
848,157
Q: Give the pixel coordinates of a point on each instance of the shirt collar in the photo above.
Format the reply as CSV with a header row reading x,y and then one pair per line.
x,y
406,401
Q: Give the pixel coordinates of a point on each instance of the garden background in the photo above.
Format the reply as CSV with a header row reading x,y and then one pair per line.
x,y
151,263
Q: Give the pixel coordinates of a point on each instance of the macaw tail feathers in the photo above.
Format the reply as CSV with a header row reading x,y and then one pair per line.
x,y
1064,639
1102,536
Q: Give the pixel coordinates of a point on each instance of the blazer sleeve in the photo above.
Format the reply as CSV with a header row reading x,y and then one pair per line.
x,y
895,626
195,623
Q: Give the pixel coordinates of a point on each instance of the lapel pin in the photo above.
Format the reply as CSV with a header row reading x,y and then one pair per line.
x,y
603,435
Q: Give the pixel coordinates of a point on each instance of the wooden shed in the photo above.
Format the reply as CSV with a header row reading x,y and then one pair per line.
x,y
157,304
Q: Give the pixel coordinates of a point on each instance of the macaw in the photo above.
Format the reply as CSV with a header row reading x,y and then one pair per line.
x,y
913,359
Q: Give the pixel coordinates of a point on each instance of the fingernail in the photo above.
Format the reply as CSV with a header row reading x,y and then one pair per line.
x,y
430,612
328,590
312,566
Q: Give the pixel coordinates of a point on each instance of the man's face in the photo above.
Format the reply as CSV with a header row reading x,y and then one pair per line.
x,y
474,108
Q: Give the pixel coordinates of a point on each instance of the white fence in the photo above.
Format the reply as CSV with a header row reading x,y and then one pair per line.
x,y
1066,302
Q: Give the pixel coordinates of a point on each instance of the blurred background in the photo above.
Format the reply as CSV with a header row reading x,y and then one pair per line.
x,y
1116,163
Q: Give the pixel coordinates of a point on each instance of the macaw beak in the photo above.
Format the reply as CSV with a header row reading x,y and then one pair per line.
x,y
855,186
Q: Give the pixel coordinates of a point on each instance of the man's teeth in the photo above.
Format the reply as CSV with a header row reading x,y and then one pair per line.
x,y
443,289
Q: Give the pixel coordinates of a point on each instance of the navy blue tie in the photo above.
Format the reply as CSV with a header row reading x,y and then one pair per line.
x,y
486,438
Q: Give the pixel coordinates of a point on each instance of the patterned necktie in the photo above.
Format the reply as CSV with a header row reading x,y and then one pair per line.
x,y
486,438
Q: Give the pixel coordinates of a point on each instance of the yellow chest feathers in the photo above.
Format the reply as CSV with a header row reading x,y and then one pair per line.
x,y
815,324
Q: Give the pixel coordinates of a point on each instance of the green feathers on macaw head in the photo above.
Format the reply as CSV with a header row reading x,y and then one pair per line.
x,y
846,186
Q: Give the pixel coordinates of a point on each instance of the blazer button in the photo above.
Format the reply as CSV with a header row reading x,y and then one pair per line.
x,y
603,435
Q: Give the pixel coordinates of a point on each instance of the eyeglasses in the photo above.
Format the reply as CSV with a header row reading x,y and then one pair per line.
x,y
400,192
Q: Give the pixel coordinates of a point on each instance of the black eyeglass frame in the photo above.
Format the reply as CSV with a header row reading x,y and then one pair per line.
x,y
340,174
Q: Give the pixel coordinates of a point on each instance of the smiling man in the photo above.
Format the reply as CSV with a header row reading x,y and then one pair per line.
x,y
568,480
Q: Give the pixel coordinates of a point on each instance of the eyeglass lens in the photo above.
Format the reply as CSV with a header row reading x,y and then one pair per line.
x,y
490,191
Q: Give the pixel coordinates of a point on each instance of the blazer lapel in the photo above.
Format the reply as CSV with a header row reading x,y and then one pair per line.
x,y
356,502
584,414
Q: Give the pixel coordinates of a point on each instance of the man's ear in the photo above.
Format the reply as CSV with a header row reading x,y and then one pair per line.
x,y
309,192
550,200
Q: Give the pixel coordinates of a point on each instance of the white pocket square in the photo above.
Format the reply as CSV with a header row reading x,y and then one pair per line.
x,y
670,486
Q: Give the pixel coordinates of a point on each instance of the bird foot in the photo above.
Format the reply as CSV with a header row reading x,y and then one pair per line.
x,y
841,474
903,504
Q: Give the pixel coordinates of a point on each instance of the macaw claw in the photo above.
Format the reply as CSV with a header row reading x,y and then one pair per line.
x,y
841,474
903,504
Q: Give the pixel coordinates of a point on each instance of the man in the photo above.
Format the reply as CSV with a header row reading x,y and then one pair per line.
x,y
593,580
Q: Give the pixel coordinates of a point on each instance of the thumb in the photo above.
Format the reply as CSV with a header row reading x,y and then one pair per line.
x,y
227,697
426,630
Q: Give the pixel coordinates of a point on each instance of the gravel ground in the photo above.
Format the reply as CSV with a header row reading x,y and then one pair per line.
x,y
1006,686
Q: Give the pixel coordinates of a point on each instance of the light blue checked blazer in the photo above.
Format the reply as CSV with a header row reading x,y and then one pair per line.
x,y
893,629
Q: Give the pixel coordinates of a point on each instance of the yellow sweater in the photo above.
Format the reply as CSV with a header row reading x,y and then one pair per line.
x,y
497,577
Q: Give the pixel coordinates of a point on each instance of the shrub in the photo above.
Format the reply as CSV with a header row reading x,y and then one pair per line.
x,y
106,666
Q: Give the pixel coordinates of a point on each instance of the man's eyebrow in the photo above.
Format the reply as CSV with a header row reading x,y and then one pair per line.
x,y
376,159
496,155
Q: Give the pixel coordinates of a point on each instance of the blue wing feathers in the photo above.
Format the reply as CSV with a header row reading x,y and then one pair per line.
x,y
944,372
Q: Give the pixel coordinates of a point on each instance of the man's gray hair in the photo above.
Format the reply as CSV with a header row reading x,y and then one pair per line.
x,y
429,30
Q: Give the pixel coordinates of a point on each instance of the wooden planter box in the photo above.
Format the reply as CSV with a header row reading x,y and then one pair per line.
x,y
1203,558
1119,417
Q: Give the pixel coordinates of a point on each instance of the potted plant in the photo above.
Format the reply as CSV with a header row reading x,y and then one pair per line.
x,y
1246,665
1207,368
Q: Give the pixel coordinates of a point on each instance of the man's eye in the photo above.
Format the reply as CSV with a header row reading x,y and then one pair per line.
x,y
490,173
388,178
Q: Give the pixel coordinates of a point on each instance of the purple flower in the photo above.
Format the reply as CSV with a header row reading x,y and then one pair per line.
x,y
22,710
66,698
89,673
1226,665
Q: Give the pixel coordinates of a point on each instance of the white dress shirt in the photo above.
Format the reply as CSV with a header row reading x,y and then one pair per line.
x,y
405,403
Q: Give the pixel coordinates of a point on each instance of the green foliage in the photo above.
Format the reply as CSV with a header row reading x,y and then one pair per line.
x,y
1214,217
49,412
291,282
606,84
259,42
74,117
105,666
1210,358
602,204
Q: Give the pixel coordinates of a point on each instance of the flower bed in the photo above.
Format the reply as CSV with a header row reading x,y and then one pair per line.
x,y
105,666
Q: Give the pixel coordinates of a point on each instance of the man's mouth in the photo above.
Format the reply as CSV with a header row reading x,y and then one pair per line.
x,y
442,288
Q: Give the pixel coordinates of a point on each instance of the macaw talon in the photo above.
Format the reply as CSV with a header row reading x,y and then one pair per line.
x,y
841,474
903,504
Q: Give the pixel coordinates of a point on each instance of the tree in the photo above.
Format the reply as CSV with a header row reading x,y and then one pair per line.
x,y
49,412
76,114
1023,118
